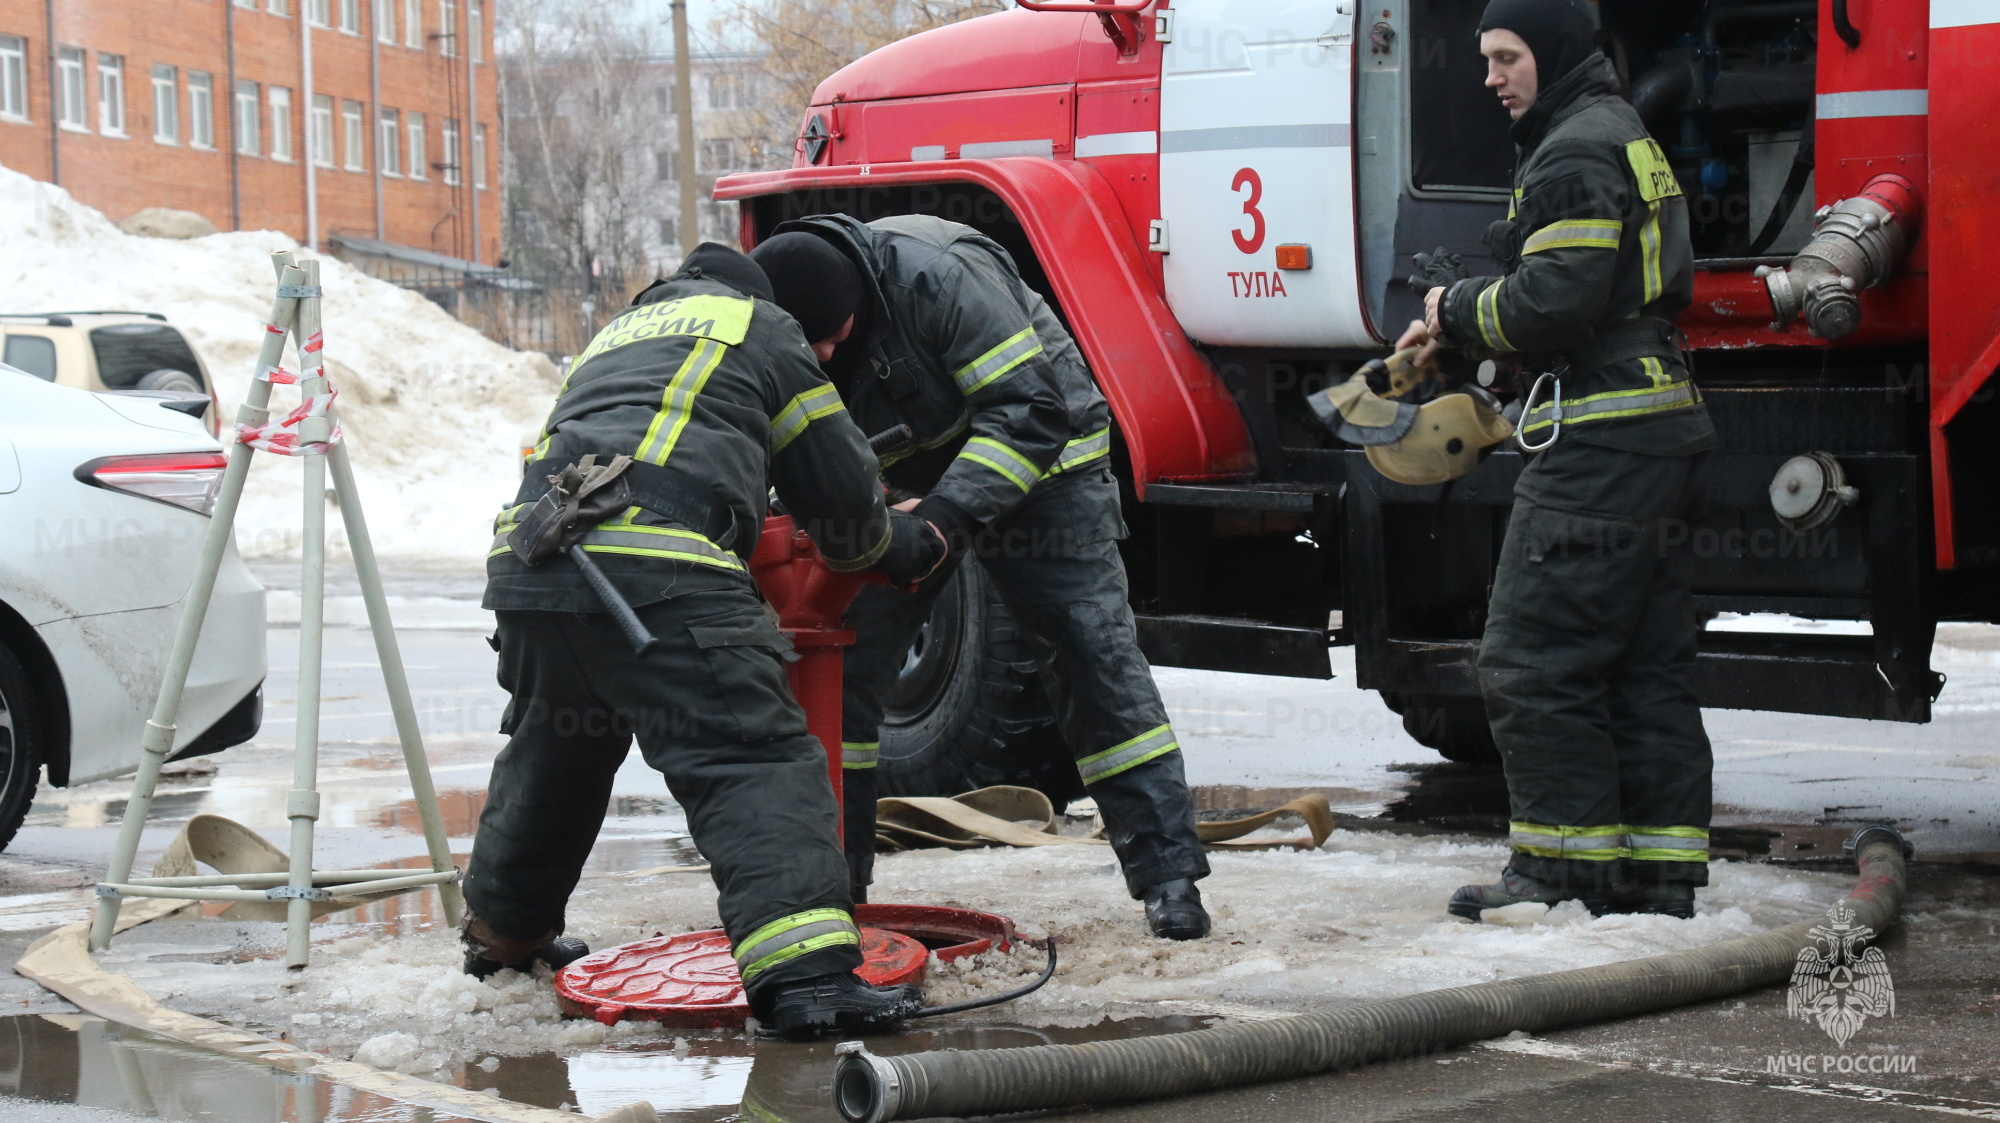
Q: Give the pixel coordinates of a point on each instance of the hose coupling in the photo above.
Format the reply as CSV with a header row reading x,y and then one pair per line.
x,y
1857,244
1878,832
866,1088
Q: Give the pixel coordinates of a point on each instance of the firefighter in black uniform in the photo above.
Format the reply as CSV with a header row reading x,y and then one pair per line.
x,y
713,392
927,323
1587,659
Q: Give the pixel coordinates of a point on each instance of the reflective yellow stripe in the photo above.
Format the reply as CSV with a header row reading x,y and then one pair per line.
x,y
1513,204
1081,451
792,936
1598,233
723,319
658,542
677,401
1488,306
1616,403
1125,755
859,754
1655,370
802,411
986,369
1649,256
1004,460
1588,844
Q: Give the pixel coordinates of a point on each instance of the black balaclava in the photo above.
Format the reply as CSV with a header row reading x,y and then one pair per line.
x,y
1561,33
820,286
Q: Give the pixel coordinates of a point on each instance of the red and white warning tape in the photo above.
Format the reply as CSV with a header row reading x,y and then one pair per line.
x,y
282,436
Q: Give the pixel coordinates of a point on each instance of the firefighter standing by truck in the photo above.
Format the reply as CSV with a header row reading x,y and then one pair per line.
x,y
1589,647
926,323
710,390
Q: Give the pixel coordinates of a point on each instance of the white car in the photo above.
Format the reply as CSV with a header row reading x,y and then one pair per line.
x,y
105,499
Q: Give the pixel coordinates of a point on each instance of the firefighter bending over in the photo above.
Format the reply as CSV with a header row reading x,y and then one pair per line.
x,y
926,323
712,392
1590,638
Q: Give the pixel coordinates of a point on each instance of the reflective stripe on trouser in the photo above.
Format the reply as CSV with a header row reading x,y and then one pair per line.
x,y
790,937
719,723
1066,609
1127,754
1587,670
1588,844
1614,403
859,754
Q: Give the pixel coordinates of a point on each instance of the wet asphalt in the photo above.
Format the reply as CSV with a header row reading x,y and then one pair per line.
x,y
1788,789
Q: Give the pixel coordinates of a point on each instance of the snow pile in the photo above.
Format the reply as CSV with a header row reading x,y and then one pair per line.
x,y
432,409
1360,919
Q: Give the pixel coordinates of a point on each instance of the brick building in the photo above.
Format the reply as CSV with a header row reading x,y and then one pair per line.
x,y
372,119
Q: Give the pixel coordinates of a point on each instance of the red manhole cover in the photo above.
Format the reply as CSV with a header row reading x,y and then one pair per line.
x,y
690,980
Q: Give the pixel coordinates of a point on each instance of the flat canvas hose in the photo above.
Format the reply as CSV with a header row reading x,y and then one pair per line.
x,y
872,1089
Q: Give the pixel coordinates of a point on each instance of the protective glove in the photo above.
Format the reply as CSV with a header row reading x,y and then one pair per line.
x,y
916,550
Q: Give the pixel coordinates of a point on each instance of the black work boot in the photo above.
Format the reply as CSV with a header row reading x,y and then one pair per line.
x,y
1655,899
488,952
1513,888
1174,912
802,1009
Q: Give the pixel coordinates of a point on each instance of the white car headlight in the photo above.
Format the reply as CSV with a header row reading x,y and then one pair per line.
x,y
183,479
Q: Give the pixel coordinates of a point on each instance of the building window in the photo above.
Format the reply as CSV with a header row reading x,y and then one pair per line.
x,y
320,135
727,91
413,23
668,235
201,110
448,28
718,154
13,78
479,157
69,74
663,98
384,14
281,123
247,143
475,28
319,12
166,105
350,16
419,163
354,135
450,140
278,7
388,150
663,164
111,94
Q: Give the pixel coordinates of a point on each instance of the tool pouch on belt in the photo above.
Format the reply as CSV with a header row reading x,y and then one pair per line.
x,y
580,496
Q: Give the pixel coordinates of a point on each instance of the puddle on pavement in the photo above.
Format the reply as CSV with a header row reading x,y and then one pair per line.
x,y
705,1077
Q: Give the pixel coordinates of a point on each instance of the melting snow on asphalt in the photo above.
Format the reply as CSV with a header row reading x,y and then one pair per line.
x,y
1362,918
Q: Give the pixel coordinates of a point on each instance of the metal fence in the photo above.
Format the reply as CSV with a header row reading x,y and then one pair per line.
x,y
553,313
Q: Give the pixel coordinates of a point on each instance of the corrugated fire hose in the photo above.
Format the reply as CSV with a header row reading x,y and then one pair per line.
x,y
872,1089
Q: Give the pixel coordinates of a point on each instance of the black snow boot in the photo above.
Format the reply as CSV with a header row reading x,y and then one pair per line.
x,y
1174,912
1513,888
488,953
1658,899
802,1009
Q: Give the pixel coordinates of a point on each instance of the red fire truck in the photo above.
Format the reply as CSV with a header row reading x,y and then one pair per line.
x,y
1221,199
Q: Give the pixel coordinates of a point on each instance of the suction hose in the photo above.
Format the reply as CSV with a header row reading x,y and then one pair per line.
x,y
872,1089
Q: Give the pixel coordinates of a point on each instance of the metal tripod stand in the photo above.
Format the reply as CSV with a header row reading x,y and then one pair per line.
x,y
295,315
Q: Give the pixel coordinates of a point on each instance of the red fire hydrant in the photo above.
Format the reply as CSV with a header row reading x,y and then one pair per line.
x,y
811,599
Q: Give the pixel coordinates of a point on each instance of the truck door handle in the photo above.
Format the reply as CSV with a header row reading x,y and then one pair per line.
x,y
1844,27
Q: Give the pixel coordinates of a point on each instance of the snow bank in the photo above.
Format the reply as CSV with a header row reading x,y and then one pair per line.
x,y
432,409
1362,918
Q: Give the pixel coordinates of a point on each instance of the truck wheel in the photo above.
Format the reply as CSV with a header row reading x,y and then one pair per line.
x,y
1454,726
968,709
20,745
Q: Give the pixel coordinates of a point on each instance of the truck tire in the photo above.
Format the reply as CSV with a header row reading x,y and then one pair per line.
x,y
1456,727
969,710
21,728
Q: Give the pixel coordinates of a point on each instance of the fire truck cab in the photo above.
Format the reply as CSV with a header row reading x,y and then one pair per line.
x,y
1221,199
